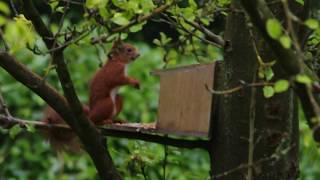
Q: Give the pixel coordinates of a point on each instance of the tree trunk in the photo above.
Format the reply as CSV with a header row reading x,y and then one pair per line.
x,y
271,125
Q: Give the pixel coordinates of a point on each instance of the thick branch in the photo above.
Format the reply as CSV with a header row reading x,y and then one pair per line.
x,y
113,130
35,83
87,134
291,62
58,58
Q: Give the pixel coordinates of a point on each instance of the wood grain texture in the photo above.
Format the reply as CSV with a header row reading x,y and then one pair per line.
x,y
185,103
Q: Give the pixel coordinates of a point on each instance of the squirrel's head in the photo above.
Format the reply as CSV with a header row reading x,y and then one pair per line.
x,y
124,52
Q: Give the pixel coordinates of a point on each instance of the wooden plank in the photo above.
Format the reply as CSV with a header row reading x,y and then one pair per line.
x,y
192,67
131,127
146,128
184,102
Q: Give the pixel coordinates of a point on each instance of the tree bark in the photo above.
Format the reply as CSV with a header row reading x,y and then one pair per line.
x,y
271,125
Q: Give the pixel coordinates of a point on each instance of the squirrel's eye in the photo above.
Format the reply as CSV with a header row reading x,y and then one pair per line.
x,y
129,50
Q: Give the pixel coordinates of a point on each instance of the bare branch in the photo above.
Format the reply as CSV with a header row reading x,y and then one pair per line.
x,y
238,88
35,83
13,8
215,38
115,130
81,35
138,20
171,22
3,106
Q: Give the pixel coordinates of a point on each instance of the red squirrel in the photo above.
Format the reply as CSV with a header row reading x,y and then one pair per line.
x,y
104,101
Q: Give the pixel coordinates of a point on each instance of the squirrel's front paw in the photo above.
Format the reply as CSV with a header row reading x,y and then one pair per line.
x,y
136,84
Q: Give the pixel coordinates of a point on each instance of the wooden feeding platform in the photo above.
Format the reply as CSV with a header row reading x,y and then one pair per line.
x,y
185,105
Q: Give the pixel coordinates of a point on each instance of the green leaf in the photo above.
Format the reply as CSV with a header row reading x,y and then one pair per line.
x,y
20,19
104,13
268,91
53,4
19,32
60,9
192,4
92,3
285,41
30,128
14,131
157,42
3,20
205,21
119,19
189,13
4,8
261,72
268,73
172,56
136,28
120,3
304,79
315,120
301,2
312,23
164,39
281,85
274,28
124,36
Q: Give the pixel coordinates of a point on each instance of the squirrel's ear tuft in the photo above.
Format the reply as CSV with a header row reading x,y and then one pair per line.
x,y
117,46
118,43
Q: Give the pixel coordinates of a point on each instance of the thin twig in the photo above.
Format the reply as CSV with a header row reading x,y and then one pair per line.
x,y
55,39
82,35
55,36
5,120
237,88
15,12
181,27
215,38
138,20
252,118
3,106
276,156
252,110
291,30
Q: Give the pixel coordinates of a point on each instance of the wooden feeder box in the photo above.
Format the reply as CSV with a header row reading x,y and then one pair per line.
x,y
185,104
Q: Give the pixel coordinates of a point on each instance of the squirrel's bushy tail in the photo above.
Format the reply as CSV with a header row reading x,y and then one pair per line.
x,y
61,139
